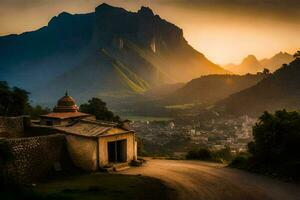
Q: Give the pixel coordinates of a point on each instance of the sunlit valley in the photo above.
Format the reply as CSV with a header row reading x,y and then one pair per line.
x,y
137,87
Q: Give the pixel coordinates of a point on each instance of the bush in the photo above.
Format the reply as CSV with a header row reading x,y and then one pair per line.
x,y
222,155
240,162
275,149
201,154
276,138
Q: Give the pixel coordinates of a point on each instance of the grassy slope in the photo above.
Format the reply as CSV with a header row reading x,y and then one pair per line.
x,y
98,186
103,186
129,78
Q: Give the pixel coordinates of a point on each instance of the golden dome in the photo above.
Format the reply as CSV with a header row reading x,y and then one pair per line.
x,y
66,104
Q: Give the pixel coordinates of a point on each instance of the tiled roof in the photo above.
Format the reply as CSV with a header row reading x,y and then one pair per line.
x,y
90,128
65,115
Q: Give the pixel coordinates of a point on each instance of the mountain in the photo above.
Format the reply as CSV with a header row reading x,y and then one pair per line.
x,y
211,88
277,61
281,90
251,64
110,52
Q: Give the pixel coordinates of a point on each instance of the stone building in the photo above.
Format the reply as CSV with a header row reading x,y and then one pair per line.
x,y
94,144
91,144
64,113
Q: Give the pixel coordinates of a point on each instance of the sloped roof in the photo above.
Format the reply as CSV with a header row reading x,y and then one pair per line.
x,y
65,115
88,128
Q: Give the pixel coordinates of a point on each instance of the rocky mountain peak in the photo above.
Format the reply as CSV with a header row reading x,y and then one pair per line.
x,y
251,57
106,8
146,11
250,60
61,16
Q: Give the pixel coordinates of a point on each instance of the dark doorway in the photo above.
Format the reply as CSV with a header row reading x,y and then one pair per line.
x,y
117,151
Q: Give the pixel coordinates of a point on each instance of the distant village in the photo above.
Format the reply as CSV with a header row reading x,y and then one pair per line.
x,y
234,133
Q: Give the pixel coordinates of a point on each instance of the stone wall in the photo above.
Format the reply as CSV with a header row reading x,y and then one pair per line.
x,y
83,151
33,157
11,127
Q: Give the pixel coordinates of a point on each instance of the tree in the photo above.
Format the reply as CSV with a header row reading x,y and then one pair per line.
x,y
276,144
276,138
297,54
36,111
200,154
266,71
13,101
275,148
97,107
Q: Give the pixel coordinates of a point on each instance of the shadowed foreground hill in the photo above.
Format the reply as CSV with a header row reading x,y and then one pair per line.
x,y
281,90
212,88
105,52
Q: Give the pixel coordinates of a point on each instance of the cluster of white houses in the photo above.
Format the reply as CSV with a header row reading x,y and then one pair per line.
x,y
91,144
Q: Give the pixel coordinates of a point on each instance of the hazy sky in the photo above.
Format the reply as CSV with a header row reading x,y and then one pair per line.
x,y
224,30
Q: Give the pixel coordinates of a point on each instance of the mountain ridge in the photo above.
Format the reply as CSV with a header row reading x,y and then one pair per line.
x,y
251,64
149,51
281,90
211,88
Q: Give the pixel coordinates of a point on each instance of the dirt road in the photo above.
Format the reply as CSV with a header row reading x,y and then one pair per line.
x,y
208,181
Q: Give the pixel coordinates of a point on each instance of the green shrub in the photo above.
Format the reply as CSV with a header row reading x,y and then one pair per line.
x,y
275,148
223,155
201,154
276,138
240,162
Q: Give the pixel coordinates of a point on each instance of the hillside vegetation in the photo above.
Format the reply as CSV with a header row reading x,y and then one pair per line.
x,y
274,150
280,90
212,88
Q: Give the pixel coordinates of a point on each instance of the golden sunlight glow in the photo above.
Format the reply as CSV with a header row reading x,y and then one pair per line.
x,y
224,36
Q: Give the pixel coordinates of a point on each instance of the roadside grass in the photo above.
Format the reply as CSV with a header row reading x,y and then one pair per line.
x,y
95,186
103,186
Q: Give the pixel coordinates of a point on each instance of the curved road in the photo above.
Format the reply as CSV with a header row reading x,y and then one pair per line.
x,y
209,181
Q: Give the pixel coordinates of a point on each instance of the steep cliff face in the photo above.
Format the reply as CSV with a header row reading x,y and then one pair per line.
x,y
108,51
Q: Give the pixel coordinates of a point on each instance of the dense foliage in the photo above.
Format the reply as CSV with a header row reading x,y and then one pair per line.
x,y
97,107
275,149
13,101
205,154
201,154
276,137
36,111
